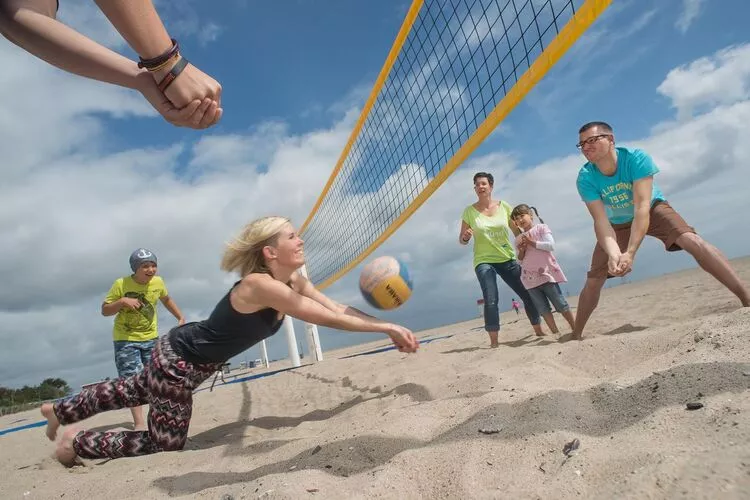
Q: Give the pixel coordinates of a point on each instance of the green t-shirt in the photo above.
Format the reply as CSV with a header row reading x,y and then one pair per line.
x,y
140,325
491,234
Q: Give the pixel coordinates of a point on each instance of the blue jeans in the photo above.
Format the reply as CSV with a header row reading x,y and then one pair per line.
x,y
132,356
510,272
546,293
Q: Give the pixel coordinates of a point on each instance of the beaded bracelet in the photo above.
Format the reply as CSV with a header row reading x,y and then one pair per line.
x,y
160,60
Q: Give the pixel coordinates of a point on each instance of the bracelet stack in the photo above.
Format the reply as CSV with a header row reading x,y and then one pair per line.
x,y
164,60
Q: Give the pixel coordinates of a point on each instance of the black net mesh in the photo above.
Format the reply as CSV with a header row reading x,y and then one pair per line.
x,y
460,58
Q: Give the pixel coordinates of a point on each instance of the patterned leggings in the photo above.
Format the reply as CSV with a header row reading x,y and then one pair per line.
x,y
166,384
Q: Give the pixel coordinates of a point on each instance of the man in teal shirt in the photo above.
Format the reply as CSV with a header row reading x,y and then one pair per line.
x,y
617,185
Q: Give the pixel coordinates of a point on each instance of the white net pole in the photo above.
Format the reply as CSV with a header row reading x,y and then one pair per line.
x,y
311,333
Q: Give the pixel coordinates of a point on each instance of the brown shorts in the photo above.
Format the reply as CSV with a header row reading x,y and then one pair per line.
x,y
665,223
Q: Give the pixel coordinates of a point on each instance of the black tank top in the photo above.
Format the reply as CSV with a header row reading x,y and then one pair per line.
x,y
225,333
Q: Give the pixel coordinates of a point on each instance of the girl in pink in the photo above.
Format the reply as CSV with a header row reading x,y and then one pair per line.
x,y
540,272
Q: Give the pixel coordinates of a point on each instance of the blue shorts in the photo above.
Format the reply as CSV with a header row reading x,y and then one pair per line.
x,y
131,356
542,295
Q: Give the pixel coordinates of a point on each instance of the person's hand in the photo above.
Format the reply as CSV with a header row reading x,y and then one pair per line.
x,y
624,264
181,321
612,264
197,114
189,85
402,338
466,235
521,241
130,303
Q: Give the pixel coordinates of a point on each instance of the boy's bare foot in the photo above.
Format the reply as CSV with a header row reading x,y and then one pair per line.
x,y
140,427
494,345
65,453
576,336
52,423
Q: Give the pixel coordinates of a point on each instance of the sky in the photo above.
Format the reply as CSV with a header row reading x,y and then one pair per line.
x,y
91,173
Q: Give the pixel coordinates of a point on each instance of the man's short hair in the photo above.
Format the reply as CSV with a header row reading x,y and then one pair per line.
x,y
602,125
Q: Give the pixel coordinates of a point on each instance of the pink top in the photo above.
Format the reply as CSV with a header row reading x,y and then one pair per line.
x,y
539,265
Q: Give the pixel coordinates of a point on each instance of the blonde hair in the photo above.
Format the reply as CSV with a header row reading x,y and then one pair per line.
x,y
244,253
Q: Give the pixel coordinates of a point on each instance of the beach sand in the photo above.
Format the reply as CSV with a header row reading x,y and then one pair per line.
x,y
390,425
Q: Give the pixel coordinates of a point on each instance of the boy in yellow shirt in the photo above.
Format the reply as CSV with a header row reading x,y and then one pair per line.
x,y
133,300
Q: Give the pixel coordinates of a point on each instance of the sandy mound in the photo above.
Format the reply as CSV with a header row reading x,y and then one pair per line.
x,y
388,425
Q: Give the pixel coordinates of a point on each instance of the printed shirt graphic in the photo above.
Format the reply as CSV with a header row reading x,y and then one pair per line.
x,y
540,266
491,234
140,325
616,191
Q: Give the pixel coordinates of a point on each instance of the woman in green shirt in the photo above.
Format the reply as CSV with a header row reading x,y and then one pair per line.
x,y
488,221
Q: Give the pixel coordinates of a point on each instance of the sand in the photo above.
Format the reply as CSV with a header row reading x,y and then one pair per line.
x,y
390,425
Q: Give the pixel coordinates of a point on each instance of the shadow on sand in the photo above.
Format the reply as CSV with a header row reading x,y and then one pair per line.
x,y
611,408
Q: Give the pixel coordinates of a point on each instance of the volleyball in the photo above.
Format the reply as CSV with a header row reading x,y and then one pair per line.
x,y
385,283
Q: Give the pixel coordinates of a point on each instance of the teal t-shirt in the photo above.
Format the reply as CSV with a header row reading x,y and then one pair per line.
x,y
616,191
491,234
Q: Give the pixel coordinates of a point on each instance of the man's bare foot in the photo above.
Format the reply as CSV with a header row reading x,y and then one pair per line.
x,y
52,423
65,453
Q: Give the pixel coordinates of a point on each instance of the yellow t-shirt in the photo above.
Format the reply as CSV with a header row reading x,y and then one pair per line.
x,y
140,325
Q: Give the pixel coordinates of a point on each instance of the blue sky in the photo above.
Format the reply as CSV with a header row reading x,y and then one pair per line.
x,y
92,173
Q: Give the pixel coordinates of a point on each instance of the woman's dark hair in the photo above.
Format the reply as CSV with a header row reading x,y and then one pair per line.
x,y
486,175
524,209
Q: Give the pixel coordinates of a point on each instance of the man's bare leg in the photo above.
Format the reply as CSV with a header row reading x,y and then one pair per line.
x,y
587,302
714,263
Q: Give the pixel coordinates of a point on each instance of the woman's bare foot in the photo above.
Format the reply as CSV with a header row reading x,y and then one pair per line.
x,y
65,453
52,423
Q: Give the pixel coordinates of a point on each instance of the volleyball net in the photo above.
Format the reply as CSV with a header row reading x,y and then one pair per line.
x,y
456,69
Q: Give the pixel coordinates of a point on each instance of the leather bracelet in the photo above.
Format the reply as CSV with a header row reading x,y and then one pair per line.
x,y
173,73
160,59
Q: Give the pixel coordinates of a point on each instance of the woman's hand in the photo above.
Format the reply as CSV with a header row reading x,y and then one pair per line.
x,y
402,338
191,84
197,114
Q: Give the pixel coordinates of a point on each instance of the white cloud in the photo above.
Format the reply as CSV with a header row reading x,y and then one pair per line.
x,y
72,213
589,64
720,79
689,13
86,18
209,33
182,19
